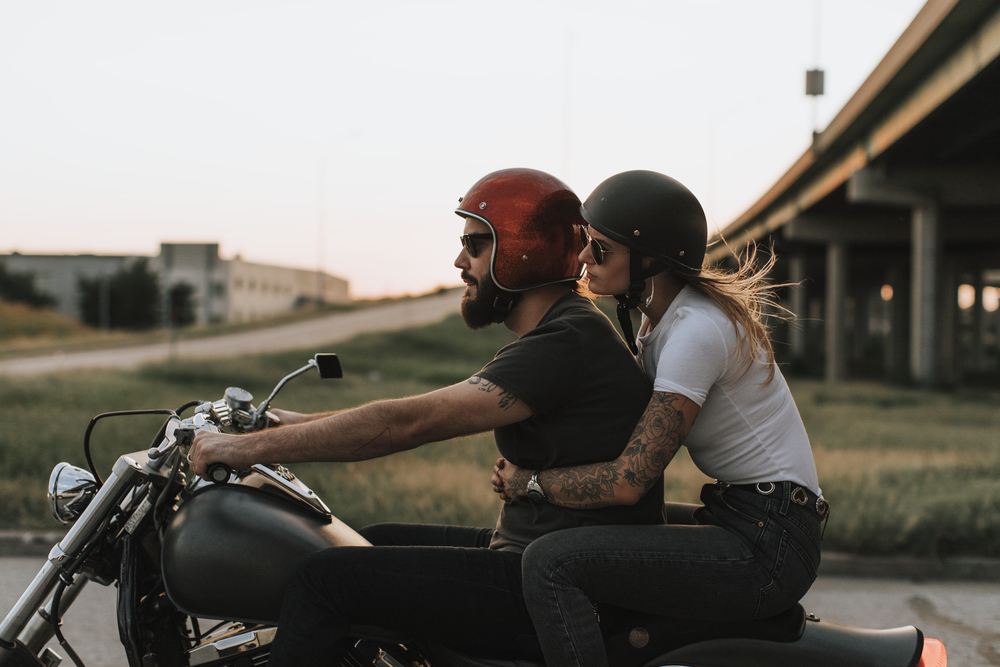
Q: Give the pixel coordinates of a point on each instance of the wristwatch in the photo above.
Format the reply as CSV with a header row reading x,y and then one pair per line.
x,y
535,489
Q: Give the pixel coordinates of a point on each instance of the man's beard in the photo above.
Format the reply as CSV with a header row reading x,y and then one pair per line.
x,y
479,312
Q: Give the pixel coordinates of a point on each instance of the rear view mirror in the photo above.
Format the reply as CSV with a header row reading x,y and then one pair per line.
x,y
328,366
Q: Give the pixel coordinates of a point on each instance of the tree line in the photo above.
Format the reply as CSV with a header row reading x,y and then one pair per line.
x,y
130,298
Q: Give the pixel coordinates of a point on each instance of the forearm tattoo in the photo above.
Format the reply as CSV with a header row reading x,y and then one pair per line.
x,y
380,445
505,399
653,444
582,486
517,485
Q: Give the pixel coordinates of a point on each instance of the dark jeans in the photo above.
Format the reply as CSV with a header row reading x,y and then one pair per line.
x,y
743,556
438,583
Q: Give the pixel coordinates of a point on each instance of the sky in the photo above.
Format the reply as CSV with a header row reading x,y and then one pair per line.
x,y
340,135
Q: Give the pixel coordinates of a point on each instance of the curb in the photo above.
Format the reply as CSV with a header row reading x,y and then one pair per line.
x,y
26,544
959,568
22,543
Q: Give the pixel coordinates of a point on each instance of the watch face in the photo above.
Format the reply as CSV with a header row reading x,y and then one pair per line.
x,y
535,492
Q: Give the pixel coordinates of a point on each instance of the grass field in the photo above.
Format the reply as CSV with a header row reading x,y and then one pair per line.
x,y
907,471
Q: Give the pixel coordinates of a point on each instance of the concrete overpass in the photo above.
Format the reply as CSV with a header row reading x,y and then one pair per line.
x,y
896,205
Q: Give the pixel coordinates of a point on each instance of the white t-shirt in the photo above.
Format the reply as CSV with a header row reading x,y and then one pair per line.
x,y
746,431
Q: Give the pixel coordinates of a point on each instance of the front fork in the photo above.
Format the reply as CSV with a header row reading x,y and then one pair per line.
x,y
38,630
24,622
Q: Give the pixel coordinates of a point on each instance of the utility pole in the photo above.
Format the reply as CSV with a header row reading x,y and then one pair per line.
x,y
320,230
814,77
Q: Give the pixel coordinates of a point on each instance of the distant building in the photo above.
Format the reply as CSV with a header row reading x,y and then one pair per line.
x,y
232,290
224,290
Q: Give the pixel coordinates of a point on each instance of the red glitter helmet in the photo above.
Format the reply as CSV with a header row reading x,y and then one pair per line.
x,y
535,220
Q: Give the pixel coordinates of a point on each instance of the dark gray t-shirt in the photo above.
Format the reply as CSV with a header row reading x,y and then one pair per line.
x,y
587,393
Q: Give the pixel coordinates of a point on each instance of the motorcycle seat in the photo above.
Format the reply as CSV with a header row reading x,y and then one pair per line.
x,y
664,635
635,638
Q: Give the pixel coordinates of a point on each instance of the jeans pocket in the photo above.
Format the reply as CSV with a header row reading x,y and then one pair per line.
x,y
806,530
769,601
806,558
792,573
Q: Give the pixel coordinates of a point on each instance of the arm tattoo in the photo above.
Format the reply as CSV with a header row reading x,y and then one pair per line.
x,y
583,486
380,445
653,444
505,398
518,482
655,440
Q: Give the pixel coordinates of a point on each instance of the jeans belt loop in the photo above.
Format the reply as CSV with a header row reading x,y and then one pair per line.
x,y
798,495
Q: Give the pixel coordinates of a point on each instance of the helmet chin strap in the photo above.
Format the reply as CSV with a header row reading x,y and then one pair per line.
x,y
632,299
503,304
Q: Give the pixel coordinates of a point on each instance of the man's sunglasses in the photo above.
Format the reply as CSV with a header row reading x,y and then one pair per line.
x,y
596,249
469,241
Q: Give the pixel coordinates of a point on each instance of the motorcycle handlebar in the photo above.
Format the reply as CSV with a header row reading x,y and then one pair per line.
x,y
219,473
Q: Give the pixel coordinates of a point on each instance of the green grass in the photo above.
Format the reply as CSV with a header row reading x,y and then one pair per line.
x,y
906,470
45,419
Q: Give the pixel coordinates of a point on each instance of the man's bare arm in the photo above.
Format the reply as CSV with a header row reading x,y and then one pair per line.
x,y
370,431
657,437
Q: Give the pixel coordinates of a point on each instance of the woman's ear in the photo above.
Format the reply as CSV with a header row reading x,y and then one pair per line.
x,y
651,267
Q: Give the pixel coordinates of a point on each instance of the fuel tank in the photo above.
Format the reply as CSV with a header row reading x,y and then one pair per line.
x,y
230,550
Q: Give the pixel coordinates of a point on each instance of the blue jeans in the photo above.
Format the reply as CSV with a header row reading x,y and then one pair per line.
x,y
742,555
438,583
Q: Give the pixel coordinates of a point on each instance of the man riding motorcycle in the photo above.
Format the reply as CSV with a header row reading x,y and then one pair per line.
x,y
565,393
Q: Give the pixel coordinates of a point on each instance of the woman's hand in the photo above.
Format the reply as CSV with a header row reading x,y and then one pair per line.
x,y
510,481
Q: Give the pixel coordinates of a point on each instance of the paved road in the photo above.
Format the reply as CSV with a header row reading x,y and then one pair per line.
x,y
965,616
89,626
320,331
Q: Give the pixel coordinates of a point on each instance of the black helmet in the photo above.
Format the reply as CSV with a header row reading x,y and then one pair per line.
x,y
656,217
653,214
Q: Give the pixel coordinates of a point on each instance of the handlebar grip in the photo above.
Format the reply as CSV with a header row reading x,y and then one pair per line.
x,y
219,473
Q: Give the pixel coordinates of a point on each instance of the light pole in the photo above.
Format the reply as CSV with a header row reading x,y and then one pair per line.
x,y
814,77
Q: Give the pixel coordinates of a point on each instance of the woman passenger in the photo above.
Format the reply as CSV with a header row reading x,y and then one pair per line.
x,y
751,549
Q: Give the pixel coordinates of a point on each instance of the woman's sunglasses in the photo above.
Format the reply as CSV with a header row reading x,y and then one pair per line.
x,y
596,249
469,241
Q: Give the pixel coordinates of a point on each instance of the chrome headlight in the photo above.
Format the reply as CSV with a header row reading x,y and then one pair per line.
x,y
70,491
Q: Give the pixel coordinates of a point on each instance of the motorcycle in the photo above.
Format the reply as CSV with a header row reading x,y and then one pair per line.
x,y
167,538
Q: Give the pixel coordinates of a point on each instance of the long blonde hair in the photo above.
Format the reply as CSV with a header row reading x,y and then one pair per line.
x,y
748,299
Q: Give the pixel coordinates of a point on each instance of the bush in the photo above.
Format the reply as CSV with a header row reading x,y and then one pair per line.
x,y
131,295
20,288
181,296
